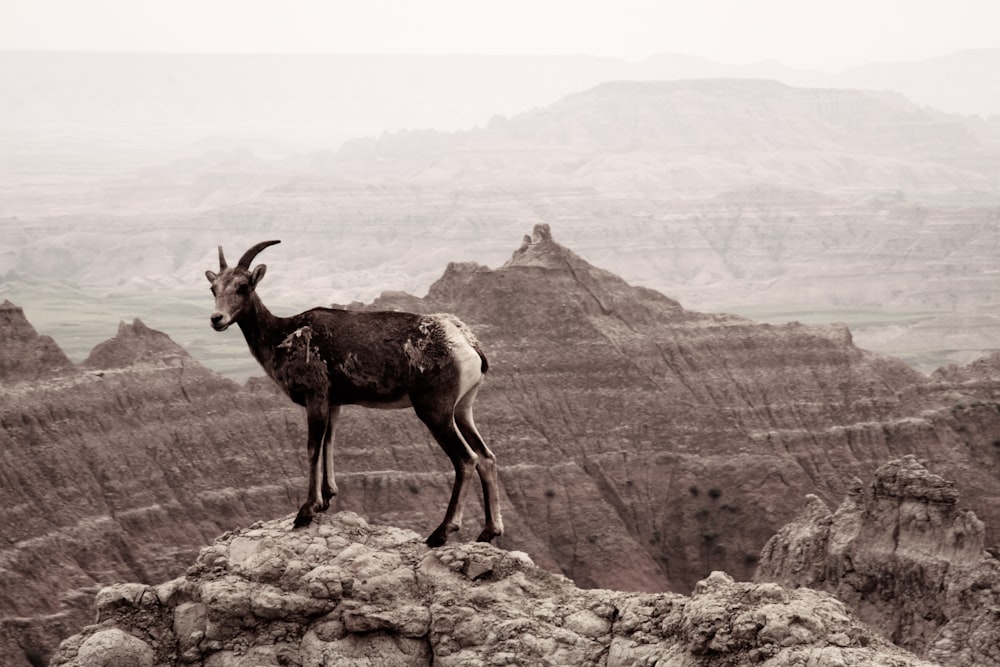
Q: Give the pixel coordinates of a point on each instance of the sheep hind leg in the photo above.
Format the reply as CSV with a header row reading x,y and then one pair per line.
x,y
329,487
442,426
486,466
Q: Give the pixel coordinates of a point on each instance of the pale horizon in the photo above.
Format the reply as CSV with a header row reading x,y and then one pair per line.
x,y
823,36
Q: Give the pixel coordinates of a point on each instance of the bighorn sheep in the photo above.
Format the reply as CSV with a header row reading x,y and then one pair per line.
x,y
324,358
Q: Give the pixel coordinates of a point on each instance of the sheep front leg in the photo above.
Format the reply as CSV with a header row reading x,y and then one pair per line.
x,y
318,419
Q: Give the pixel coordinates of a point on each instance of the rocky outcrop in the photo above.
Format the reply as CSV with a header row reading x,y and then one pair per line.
x,y
982,371
136,344
905,557
25,355
346,592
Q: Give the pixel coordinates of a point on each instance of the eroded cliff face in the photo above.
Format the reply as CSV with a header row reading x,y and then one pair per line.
x,y
641,445
619,415
25,355
347,592
123,469
903,555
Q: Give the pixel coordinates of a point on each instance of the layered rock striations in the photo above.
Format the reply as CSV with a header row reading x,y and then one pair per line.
x,y
904,556
684,432
346,592
123,470
641,445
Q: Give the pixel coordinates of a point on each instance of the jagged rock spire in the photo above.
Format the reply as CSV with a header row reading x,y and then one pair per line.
x,y
541,250
136,343
25,354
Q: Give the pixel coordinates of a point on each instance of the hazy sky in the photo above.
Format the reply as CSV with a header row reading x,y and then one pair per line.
x,y
823,34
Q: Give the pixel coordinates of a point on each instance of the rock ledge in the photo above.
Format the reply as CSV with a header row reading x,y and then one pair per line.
x,y
342,591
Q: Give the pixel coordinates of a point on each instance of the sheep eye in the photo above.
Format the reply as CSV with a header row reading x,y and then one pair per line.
x,y
243,290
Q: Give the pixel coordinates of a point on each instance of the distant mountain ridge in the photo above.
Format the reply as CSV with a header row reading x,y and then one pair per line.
x,y
955,82
753,196
697,136
338,97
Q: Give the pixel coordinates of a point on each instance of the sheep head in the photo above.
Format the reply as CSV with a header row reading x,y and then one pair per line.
x,y
234,286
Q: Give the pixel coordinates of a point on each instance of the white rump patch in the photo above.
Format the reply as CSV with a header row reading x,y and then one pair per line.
x,y
443,338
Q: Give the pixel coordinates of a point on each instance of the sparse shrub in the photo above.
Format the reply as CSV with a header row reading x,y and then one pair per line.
x,y
714,493
413,487
550,493
709,535
693,490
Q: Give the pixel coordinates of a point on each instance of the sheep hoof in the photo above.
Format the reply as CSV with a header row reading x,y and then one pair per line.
x,y
487,535
302,520
436,540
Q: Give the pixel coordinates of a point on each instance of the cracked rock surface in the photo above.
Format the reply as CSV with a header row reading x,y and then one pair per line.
x,y
346,592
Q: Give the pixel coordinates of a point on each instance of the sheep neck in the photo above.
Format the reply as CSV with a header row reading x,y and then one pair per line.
x,y
262,331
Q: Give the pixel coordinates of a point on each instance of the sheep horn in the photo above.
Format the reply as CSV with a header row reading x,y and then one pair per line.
x,y
222,260
253,252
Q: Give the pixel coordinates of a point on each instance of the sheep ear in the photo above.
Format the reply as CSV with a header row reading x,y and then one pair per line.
x,y
257,274
211,275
